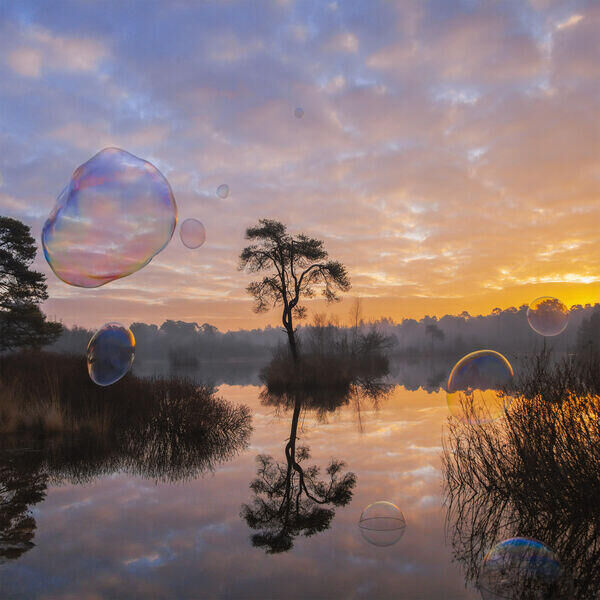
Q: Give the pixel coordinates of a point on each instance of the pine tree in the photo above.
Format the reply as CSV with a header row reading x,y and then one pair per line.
x,y
22,323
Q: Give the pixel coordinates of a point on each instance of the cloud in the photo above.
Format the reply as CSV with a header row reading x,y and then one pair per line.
x,y
343,42
39,49
572,20
26,62
447,153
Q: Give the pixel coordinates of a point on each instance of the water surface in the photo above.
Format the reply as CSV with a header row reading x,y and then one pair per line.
x,y
124,536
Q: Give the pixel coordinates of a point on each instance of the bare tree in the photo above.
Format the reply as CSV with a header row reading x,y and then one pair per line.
x,y
294,266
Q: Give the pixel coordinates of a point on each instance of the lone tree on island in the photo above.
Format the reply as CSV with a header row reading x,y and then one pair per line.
x,y
293,266
22,323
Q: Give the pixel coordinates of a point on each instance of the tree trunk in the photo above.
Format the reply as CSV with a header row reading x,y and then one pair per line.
x,y
289,329
290,450
292,342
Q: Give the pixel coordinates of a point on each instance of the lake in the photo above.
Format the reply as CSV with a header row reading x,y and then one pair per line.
x,y
118,535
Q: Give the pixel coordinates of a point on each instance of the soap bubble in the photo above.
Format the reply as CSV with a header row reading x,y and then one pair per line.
x,y
192,233
299,113
520,568
110,353
113,217
223,191
548,316
475,386
382,524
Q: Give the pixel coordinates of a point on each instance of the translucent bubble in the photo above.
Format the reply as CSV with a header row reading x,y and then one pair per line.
x,y
475,386
223,190
113,217
520,568
548,316
192,233
110,353
299,113
382,523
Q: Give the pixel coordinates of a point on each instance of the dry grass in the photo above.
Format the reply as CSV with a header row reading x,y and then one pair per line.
x,y
45,393
160,428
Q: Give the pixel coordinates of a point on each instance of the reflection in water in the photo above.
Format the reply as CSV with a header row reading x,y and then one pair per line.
x,y
290,499
22,484
324,383
179,439
125,537
534,475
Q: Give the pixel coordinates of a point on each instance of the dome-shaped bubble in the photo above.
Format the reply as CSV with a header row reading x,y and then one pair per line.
x,y
192,233
299,112
110,353
520,568
548,316
223,191
112,218
382,523
476,386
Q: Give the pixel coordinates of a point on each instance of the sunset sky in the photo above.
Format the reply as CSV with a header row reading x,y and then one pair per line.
x,y
449,152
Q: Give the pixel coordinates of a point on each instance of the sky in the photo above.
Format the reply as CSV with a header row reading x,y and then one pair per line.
x,y
448,154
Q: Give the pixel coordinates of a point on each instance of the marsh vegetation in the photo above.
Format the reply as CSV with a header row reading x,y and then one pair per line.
x,y
534,473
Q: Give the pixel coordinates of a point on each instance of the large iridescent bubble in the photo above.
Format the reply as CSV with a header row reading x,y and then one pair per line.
x,y
113,217
476,386
192,233
548,316
110,353
520,568
382,523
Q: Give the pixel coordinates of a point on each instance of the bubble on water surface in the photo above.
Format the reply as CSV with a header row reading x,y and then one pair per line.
x,y
520,568
192,233
298,112
382,523
548,316
223,191
110,353
476,386
113,217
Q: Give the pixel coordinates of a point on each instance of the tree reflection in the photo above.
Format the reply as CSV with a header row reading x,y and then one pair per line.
x,y
22,484
290,498
324,381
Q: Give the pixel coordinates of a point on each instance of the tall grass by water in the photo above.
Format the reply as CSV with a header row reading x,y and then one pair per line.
x,y
533,473
166,428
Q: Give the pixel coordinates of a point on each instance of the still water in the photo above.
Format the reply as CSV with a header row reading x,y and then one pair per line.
x,y
124,536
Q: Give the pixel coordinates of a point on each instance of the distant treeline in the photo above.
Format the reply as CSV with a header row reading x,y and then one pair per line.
x,y
187,344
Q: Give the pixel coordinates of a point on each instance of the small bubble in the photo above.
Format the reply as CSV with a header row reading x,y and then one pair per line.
x,y
520,568
299,112
476,386
223,191
548,316
110,353
382,523
192,233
